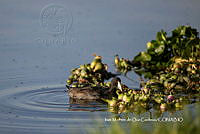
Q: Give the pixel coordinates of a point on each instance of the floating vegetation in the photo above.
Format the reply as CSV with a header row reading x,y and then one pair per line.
x,y
171,66
183,42
182,76
91,74
122,65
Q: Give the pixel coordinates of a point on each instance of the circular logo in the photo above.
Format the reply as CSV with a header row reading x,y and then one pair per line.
x,y
55,19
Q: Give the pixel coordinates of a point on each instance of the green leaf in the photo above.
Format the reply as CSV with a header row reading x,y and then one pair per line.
x,y
151,46
143,57
147,75
160,49
161,36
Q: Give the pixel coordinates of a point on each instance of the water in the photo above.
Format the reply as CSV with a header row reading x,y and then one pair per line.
x,y
37,52
45,110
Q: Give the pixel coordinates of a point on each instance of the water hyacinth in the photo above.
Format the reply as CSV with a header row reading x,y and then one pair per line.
x,y
122,65
184,43
169,76
93,74
171,66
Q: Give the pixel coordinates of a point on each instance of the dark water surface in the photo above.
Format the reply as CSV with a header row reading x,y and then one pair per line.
x,y
40,41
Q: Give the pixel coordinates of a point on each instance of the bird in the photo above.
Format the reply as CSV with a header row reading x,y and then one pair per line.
x,y
95,93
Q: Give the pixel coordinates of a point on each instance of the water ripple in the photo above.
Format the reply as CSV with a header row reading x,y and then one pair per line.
x,y
45,109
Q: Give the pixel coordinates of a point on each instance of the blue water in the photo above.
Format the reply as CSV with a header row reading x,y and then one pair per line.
x,y
40,41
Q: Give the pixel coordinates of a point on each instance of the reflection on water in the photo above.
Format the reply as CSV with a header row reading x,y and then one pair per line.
x,y
86,105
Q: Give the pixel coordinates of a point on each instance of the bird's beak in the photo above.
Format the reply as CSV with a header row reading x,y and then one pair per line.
x,y
119,86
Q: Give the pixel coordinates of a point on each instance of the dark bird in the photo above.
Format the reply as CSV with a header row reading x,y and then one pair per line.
x,y
95,93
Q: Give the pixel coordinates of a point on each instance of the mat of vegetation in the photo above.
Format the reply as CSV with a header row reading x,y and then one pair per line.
x,y
170,67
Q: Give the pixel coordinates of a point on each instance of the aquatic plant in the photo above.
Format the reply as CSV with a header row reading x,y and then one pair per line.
x,y
122,65
184,42
171,66
167,83
91,74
